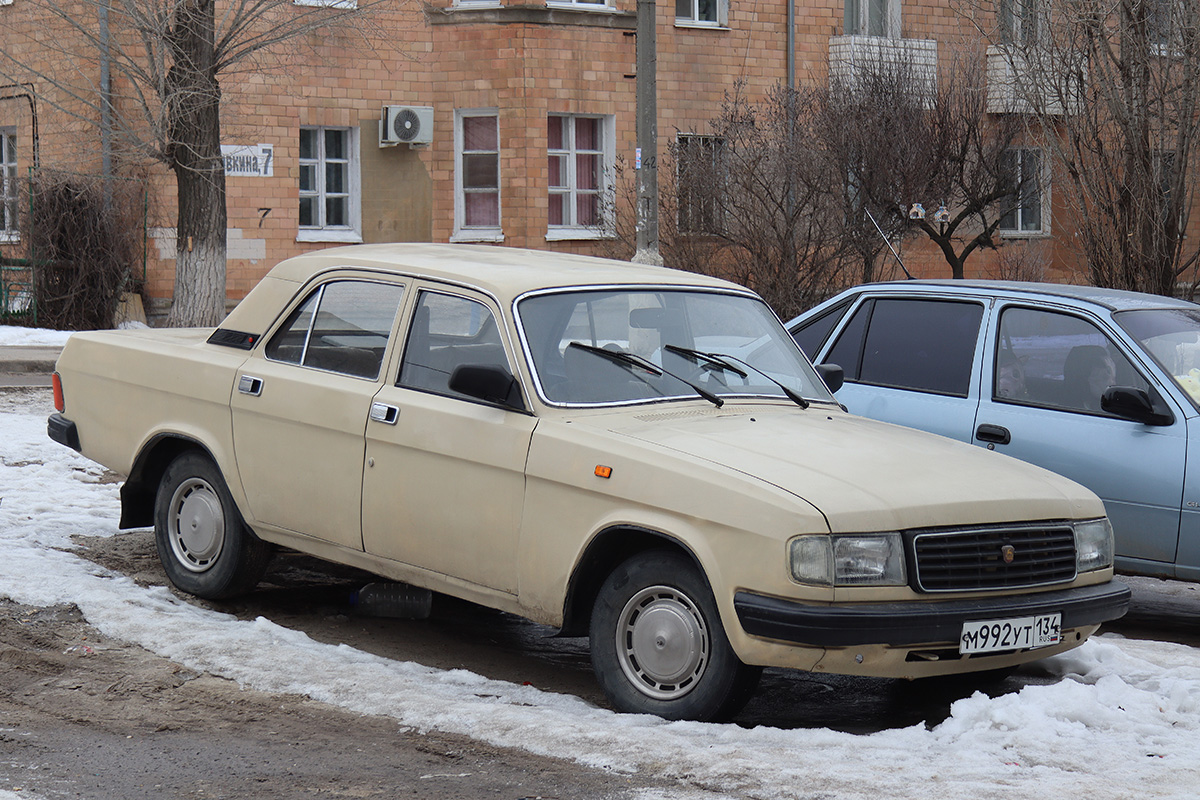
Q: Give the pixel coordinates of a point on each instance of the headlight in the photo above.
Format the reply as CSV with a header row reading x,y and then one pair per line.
x,y
1093,545
859,560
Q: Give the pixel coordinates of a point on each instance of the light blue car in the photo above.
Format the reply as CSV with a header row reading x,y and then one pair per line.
x,y
1101,386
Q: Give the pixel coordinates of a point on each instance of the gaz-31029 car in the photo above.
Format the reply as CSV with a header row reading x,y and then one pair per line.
x,y
636,454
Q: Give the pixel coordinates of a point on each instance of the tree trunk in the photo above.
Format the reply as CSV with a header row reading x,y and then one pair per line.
x,y
194,153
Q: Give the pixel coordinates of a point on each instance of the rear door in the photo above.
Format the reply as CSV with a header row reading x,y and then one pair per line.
x,y
912,361
300,408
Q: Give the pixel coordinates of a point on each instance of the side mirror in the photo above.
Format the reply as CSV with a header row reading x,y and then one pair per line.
x,y
833,375
489,383
1136,405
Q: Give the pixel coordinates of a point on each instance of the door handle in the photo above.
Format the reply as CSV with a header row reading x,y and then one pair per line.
x,y
382,412
996,434
250,385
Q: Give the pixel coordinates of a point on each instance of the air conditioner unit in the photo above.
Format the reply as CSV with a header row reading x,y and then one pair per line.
x,y
411,125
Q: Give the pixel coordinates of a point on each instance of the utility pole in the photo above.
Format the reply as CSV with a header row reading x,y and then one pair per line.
x,y
647,135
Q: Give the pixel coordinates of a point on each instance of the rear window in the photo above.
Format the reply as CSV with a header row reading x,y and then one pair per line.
x,y
924,345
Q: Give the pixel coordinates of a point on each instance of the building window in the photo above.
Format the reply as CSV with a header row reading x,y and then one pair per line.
x,y
702,13
328,185
1164,26
580,155
872,18
9,217
477,176
1025,166
700,168
1018,20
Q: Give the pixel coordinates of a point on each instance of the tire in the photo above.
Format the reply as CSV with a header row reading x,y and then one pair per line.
x,y
658,646
204,545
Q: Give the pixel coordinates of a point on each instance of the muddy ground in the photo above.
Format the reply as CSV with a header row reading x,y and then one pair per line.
x,y
82,715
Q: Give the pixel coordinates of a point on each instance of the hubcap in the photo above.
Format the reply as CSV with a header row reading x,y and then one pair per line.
x,y
662,642
196,524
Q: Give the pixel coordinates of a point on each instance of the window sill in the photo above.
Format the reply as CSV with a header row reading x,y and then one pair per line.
x,y
346,237
707,26
568,234
9,237
597,7
486,235
1024,234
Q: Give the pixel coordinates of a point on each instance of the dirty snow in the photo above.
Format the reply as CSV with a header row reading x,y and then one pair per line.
x,y
1122,721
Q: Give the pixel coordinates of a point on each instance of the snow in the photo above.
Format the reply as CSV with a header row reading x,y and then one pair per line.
x,y
11,335
1122,719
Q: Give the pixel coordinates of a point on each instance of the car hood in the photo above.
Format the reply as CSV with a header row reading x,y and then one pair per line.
x,y
861,474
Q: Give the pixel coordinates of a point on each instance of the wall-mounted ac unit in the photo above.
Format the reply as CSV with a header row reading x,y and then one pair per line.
x,y
411,125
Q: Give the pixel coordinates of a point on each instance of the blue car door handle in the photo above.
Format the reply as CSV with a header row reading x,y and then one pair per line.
x,y
996,434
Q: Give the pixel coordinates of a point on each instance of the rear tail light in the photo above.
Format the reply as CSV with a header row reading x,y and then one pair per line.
x,y
60,405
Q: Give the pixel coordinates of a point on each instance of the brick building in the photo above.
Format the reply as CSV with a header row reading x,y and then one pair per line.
x,y
523,113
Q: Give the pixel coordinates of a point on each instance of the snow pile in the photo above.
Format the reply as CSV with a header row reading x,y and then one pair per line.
x,y
1122,721
11,335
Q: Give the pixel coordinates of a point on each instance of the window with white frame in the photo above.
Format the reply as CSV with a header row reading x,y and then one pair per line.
x,y
1019,21
329,203
702,13
700,175
1025,166
477,176
872,18
579,159
1165,26
9,218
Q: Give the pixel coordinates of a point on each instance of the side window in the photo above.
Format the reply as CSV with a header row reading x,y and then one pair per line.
x,y
341,327
1055,360
447,332
813,333
925,345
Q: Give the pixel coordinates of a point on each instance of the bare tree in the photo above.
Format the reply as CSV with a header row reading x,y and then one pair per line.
x,y
902,141
1114,87
748,200
148,74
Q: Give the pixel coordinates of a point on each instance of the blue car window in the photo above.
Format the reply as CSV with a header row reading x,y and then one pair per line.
x,y
1058,361
924,345
813,334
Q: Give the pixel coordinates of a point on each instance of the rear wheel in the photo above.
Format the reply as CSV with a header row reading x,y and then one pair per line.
x,y
658,646
203,544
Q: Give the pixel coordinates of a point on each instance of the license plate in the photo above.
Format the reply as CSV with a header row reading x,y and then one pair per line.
x,y
1023,633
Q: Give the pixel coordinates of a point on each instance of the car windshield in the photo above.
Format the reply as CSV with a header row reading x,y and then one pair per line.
x,y
661,344
1172,338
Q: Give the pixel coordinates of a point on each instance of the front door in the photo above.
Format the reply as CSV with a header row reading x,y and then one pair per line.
x,y
1047,372
444,483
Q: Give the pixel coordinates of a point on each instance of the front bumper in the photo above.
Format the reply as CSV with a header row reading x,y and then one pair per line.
x,y
63,431
915,623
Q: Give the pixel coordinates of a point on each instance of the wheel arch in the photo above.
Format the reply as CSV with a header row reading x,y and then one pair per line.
x,y
606,551
141,487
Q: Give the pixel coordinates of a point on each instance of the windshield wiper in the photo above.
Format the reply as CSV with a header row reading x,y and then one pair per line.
x,y
704,358
722,361
631,360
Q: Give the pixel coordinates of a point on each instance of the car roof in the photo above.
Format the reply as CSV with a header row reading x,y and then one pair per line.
x,y
504,272
1112,299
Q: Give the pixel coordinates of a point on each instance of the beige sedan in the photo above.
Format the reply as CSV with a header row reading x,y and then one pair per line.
x,y
636,454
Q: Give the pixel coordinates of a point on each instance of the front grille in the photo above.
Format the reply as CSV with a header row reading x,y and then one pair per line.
x,y
975,558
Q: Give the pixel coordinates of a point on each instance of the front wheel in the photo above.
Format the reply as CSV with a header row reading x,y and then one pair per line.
x,y
658,646
203,544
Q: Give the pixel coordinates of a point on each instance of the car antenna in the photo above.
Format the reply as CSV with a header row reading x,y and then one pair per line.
x,y
888,242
